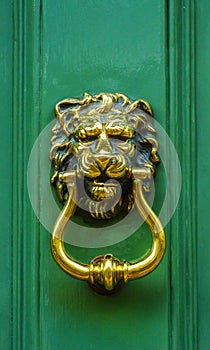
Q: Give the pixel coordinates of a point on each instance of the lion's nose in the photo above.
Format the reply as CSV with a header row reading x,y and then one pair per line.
x,y
103,161
103,144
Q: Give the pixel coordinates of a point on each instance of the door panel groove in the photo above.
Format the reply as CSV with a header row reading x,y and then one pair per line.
x,y
182,129
25,241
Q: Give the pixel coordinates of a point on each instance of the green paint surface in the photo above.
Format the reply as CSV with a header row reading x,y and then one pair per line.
x,y
101,46
203,152
155,50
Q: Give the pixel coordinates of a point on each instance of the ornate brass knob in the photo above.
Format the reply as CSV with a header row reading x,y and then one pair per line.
x,y
97,139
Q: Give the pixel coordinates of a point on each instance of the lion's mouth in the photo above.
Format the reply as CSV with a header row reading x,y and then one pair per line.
x,y
100,190
105,198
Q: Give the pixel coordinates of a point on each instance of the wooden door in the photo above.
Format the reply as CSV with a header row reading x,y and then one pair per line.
x,y
155,50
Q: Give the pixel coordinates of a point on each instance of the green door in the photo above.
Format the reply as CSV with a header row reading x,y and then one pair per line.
x,y
156,50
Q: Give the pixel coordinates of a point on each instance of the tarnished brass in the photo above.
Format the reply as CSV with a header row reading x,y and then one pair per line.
x,y
104,143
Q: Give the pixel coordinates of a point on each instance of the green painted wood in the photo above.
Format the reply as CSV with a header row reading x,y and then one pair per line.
x,y
151,50
203,151
101,47
182,129
6,60
26,127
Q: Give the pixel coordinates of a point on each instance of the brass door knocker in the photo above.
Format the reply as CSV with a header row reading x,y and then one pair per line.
x,y
102,143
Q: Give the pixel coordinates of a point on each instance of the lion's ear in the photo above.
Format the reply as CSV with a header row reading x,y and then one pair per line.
x,y
72,104
63,106
142,105
146,107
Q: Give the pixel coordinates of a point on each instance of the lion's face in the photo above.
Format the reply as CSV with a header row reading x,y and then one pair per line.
x,y
103,155
103,146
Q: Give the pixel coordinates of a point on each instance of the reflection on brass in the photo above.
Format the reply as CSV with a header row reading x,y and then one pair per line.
x,y
104,144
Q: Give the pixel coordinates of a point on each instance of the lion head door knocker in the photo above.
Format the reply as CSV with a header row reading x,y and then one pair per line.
x,y
104,144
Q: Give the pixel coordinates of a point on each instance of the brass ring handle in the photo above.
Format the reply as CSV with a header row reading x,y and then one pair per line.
x,y
107,273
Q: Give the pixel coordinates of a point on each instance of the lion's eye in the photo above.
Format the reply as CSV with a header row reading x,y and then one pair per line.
x,y
87,134
121,132
119,137
82,134
89,138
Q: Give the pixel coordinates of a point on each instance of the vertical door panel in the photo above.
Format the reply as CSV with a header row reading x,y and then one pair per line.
x,y
6,173
103,46
203,151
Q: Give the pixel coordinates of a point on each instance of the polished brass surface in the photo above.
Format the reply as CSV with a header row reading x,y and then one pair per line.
x,y
96,138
